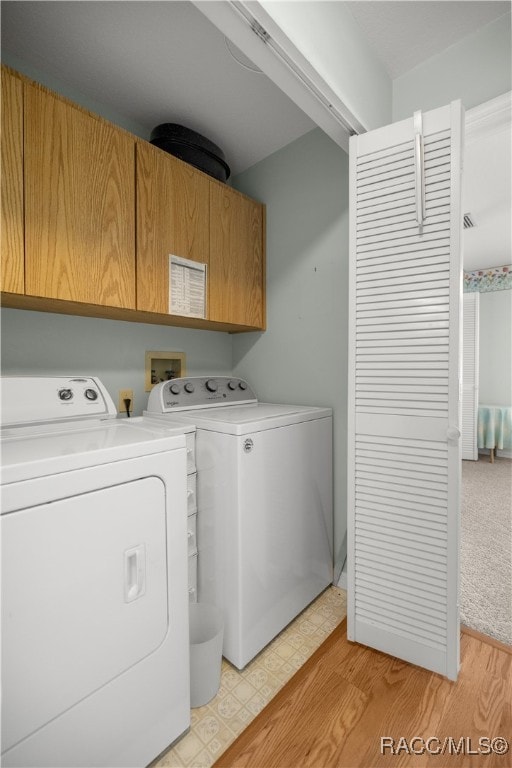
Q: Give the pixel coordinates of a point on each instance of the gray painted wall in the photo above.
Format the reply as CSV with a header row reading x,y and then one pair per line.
x,y
302,357
475,69
45,343
64,89
496,348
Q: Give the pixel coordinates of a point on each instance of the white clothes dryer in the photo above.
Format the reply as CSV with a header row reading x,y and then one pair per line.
x,y
95,644
264,497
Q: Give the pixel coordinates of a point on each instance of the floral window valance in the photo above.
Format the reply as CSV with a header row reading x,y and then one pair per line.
x,y
484,280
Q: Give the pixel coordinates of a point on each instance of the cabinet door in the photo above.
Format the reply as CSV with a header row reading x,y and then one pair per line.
x,y
236,274
80,204
12,274
172,218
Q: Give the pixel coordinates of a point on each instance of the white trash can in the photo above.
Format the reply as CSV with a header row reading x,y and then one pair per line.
x,y
206,627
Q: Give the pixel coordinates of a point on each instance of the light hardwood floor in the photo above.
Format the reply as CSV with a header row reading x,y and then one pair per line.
x,y
335,710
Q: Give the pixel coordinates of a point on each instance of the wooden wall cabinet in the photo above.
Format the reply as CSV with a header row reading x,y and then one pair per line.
x,y
237,274
12,262
173,209
90,215
79,204
181,211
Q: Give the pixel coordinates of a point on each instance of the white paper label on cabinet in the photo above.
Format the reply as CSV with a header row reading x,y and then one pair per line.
x,y
187,287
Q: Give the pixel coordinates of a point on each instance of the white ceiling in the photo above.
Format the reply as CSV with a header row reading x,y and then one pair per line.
x,y
403,34
153,62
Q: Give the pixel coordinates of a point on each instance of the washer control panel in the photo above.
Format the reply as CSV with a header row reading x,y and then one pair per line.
x,y
199,392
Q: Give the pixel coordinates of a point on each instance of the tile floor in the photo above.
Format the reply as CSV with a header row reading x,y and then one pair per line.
x,y
242,695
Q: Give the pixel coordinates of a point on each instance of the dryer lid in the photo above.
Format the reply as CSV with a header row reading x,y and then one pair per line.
x,y
30,452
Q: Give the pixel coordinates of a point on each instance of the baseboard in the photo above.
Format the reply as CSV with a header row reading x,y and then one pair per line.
x,y
342,581
498,453
486,639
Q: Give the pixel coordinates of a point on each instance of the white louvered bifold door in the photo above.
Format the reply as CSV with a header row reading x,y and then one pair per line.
x,y
404,389
470,375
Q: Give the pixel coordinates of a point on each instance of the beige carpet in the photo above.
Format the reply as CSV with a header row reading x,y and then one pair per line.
x,y
486,547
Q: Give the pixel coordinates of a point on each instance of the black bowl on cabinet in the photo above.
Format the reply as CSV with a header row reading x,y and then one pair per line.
x,y
191,147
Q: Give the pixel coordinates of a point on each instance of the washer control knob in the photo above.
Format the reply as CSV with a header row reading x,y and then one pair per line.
x,y
242,385
175,389
91,394
232,385
65,394
189,387
211,385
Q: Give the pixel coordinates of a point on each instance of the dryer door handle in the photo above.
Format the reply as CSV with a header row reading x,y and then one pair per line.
x,y
134,573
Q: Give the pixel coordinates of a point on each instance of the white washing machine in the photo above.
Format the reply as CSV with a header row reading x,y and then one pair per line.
x,y
95,645
264,495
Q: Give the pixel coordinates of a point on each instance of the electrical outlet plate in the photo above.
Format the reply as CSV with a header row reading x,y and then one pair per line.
x,y
125,394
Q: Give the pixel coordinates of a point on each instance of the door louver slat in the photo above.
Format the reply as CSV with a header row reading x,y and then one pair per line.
x,y
387,586
403,316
